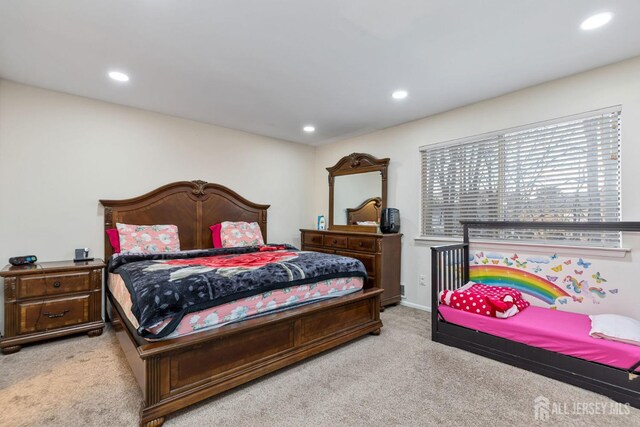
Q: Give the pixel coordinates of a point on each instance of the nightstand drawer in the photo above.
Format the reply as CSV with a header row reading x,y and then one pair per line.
x,y
56,313
53,284
367,244
335,241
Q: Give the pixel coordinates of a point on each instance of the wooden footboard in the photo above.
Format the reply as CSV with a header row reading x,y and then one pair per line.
x,y
179,372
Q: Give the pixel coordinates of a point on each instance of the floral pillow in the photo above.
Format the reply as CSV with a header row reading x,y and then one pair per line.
x,y
148,238
239,234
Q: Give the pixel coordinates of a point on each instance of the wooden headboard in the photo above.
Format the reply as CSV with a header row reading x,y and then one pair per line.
x,y
191,205
369,210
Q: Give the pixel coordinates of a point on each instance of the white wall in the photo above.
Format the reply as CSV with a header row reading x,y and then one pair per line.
x,y
617,84
60,154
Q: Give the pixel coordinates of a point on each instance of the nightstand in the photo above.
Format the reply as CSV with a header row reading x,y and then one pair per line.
x,y
51,299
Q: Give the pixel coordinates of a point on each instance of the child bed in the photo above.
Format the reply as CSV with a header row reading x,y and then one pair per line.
x,y
176,372
529,340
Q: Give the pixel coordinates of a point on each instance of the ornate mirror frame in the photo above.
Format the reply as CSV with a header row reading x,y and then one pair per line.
x,y
353,164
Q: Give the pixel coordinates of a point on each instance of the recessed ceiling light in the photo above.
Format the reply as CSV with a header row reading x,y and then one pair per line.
x,y
399,94
596,21
118,76
309,129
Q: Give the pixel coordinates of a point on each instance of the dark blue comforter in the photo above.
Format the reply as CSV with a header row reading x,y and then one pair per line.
x,y
173,284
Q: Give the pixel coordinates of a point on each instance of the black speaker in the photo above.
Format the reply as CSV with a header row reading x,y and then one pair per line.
x,y
390,220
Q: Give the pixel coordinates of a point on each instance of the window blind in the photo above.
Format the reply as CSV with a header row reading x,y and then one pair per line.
x,y
562,170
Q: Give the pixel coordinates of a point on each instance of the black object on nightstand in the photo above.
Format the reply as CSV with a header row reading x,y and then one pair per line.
x,y
23,260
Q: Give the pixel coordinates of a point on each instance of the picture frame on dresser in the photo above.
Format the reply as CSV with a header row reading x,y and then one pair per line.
x,y
47,300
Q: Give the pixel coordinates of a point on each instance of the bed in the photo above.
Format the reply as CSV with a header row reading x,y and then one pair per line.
x,y
528,339
176,372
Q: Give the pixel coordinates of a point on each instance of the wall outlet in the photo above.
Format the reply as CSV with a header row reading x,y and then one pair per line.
x,y
423,280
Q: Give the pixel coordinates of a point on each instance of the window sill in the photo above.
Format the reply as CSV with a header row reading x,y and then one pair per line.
x,y
535,247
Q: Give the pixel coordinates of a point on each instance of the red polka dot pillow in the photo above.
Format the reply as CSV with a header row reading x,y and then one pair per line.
x,y
148,238
240,234
493,301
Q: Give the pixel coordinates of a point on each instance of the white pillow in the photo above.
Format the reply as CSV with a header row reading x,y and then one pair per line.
x,y
615,328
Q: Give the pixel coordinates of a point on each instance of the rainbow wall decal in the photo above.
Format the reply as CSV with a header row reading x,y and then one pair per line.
x,y
525,282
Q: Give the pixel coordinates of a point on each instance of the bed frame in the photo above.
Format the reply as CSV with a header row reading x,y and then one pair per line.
x,y
450,270
179,372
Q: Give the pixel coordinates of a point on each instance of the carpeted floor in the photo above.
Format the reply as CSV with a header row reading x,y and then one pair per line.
x,y
397,378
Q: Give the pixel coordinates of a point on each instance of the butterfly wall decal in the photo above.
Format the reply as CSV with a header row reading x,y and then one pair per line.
x,y
554,256
577,299
514,257
552,278
485,261
521,264
583,263
613,291
578,272
495,261
553,307
567,262
538,269
507,262
562,301
480,254
557,268
598,277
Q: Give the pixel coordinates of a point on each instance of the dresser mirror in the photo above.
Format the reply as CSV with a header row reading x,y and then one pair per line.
x,y
357,192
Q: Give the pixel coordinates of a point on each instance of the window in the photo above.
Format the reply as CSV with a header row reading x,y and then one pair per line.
x,y
561,170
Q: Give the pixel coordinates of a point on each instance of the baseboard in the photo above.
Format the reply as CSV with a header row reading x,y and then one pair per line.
x,y
418,306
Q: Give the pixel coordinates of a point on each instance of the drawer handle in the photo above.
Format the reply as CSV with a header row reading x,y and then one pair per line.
x,y
53,316
56,284
335,241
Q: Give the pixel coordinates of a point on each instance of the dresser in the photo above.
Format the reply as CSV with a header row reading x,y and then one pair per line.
x,y
51,299
380,254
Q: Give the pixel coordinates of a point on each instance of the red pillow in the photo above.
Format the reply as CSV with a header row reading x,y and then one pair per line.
x,y
215,235
114,239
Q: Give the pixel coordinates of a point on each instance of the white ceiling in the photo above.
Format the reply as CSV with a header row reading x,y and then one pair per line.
x,y
271,66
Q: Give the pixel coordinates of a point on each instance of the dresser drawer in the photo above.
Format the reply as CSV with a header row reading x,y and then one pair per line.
x,y
369,261
367,244
53,284
51,314
335,241
313,239
324,251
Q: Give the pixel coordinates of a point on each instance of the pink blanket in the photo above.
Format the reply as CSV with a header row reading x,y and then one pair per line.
x,y
559,331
